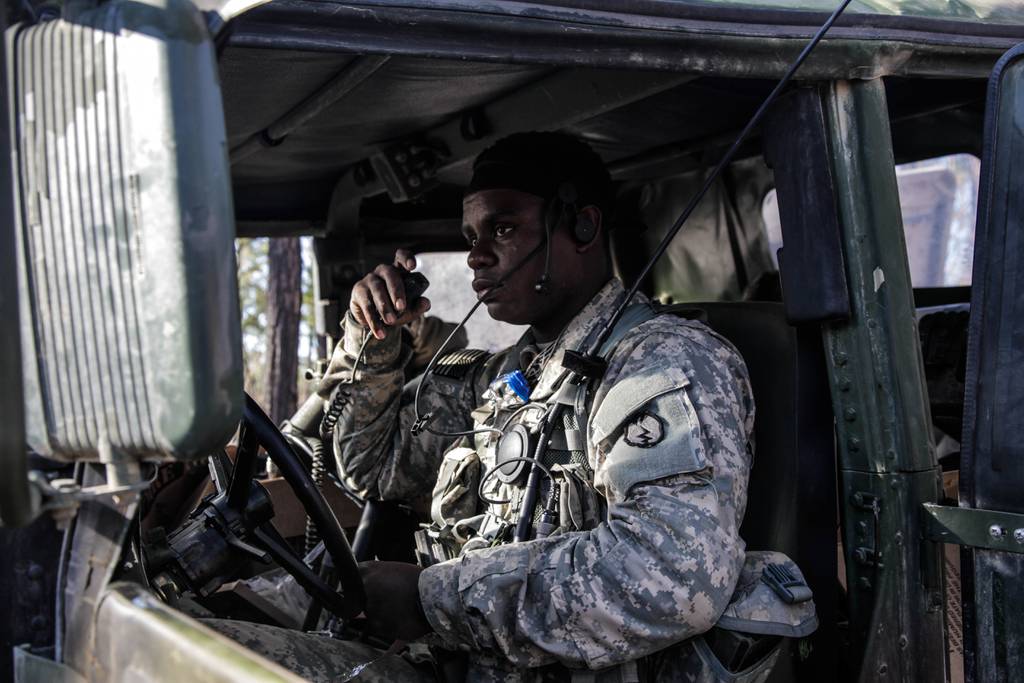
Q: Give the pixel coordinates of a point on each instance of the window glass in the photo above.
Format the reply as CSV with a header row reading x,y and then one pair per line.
x,y
451,296
939,200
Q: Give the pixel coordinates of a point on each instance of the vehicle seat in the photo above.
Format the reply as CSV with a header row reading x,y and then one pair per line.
x,y
791,505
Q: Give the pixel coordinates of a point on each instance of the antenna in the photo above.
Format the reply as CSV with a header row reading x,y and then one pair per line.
x,y
587,364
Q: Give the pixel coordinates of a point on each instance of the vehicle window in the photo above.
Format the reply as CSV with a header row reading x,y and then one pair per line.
x,y
939,200
451,296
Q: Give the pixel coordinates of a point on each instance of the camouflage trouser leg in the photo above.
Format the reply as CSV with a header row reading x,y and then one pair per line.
x,y
318,658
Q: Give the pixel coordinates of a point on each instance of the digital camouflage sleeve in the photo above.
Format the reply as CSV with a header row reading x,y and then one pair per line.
x,y
377,456
670,433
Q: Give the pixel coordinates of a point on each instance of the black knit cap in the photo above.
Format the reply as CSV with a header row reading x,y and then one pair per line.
x,y
539,164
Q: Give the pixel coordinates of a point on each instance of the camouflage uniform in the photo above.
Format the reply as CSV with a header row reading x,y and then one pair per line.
x,y
428,333
667,448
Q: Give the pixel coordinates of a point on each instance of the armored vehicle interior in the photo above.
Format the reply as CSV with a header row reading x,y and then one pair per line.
x,y
357,124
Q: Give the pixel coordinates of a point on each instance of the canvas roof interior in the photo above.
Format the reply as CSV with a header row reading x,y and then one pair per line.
x,y
684,126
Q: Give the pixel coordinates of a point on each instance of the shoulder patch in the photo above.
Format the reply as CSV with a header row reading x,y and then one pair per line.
x,y
645,430
630,394
457,364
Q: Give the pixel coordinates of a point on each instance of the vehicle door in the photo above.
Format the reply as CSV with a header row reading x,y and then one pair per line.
x,y
992,456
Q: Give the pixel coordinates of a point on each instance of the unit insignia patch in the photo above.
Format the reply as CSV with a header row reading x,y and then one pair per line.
x,y
646,430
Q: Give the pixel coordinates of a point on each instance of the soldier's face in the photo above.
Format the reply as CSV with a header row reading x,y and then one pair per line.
x,y
502,227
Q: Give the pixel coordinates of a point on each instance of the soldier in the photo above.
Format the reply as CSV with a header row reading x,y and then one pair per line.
x,y
633,548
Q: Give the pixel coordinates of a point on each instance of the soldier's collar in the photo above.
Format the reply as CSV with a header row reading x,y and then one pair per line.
x,y
584,325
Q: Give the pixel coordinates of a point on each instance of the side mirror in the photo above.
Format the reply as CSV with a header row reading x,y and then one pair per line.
x,y
124,237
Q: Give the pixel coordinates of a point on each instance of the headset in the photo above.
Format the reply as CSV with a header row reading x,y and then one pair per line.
x,y
563,209
580,225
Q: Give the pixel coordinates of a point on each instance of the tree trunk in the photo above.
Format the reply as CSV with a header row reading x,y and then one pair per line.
x,y
284,300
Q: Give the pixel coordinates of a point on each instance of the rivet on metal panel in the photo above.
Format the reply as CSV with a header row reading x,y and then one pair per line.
x,y
850,414
996,531
1018,535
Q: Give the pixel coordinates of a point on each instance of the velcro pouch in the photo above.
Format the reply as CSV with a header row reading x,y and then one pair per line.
x,y
745,644
581,507
758,607
454,496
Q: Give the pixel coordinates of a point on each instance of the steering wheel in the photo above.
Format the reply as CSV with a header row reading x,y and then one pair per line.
x,y
259,430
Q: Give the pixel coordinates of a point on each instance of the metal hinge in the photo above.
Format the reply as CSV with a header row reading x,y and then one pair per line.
x,y
987,529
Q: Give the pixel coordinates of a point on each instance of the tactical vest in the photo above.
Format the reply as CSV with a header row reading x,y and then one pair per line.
x,y
479,493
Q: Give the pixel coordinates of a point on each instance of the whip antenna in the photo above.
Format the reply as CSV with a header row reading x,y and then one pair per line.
x,y
586,364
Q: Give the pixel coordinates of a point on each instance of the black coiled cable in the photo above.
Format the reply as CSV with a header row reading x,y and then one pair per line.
x,y
333,413
318,468
318,471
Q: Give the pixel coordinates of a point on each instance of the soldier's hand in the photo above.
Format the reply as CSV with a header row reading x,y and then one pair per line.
x,y
393,610
378,300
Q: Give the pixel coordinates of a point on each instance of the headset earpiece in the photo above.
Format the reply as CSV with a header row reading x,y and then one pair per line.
x,y
581,226
584,230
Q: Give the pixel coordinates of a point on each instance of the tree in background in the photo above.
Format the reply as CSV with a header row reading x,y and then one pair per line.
x,y
284,310
254,296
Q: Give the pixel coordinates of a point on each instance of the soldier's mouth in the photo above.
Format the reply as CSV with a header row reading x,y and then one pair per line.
x,y
484,288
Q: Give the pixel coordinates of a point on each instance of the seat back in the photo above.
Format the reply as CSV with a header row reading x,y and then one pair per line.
x,y
791,506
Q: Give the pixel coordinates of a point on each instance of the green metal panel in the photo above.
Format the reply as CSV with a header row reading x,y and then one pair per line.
x,y
988,529
140,638
33,668
887,460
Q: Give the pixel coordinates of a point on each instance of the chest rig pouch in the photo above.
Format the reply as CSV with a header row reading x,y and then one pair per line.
x,y
569,501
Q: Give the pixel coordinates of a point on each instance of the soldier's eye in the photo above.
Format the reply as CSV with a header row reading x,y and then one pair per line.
x,y
502,229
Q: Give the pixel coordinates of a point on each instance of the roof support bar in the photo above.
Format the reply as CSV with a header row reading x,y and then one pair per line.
x,y
354,73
